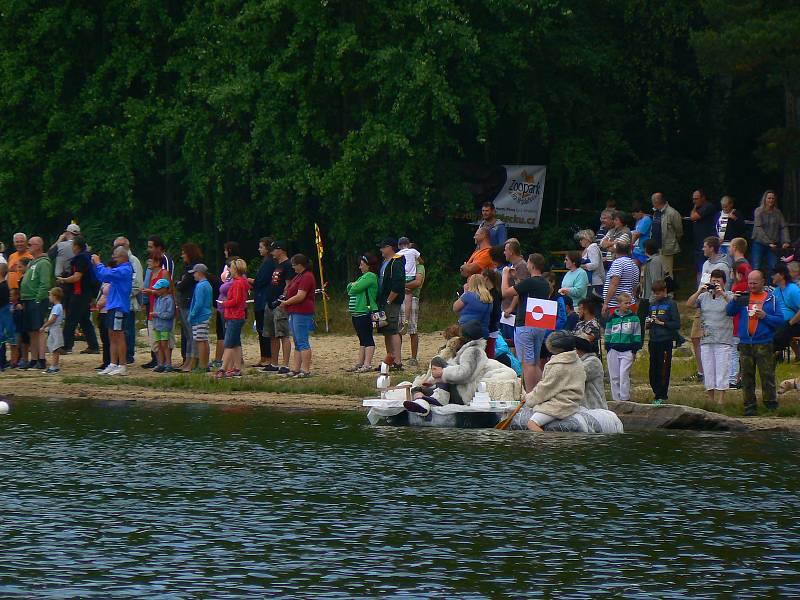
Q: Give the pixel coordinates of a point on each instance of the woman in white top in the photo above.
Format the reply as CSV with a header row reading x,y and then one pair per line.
x,y
717,340
592,260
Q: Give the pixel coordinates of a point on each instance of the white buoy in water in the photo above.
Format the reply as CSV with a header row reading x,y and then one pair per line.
x,y
4,408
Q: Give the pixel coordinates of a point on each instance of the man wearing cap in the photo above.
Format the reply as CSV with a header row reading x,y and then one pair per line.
x,y
61,252
200,314
391,289
118,304
33,291
276,319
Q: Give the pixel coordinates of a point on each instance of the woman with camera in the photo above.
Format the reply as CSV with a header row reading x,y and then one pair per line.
x,y
717,334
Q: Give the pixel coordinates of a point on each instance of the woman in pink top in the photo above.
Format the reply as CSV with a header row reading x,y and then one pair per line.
x,y
234,309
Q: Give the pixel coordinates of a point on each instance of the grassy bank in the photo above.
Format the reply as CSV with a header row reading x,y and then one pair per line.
x,y
330,385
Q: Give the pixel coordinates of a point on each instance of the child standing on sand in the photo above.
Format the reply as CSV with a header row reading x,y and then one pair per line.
x,y
163,322
54,327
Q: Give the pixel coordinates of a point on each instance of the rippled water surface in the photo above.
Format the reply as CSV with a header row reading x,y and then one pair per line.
x,y
118,499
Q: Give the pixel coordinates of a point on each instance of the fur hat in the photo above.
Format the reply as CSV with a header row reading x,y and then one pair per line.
x,y
560,341
472,330
583,344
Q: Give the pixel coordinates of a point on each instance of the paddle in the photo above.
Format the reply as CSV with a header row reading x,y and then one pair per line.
x,y
507,421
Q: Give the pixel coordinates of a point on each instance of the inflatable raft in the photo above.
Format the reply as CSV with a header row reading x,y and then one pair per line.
x,y
392,412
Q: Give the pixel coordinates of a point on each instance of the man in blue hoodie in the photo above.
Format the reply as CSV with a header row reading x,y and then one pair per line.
x,y
760,316
118,304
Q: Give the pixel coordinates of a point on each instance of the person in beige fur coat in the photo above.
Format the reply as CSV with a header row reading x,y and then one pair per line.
x,y
560,392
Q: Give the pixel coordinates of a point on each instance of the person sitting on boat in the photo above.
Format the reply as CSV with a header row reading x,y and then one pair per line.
x,y
560,392
594,393
455,380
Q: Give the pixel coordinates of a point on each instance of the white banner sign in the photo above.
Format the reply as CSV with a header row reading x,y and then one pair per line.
x,y
519,202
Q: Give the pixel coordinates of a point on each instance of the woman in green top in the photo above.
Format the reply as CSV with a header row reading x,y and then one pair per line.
x,y
362,302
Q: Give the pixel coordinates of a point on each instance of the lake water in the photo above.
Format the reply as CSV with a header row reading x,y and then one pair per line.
x,y
119,499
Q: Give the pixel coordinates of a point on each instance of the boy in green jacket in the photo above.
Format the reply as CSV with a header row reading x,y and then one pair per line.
x,y
623,340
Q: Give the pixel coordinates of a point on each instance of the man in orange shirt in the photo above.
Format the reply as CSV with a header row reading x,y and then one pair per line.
x,y
21,244
19,350
480,259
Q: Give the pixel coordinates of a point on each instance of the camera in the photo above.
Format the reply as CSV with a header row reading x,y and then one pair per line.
x,y
277,302
711,286
648,321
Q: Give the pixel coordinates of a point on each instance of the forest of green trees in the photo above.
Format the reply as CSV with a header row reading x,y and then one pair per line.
x,y
208,120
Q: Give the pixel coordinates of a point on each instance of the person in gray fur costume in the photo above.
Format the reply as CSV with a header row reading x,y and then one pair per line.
x,y
594,393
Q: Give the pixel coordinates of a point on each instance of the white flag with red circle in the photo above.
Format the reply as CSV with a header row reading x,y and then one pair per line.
x,y
541,313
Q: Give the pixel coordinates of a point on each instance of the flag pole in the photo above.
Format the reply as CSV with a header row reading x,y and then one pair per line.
x,y
323,285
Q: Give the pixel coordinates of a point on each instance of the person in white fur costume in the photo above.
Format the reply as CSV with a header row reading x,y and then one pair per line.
x,y
454,378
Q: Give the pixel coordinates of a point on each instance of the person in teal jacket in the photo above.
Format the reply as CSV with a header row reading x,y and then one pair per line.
x,y
362,302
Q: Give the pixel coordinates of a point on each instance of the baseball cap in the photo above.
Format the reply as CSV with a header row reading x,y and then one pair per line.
x,y
403,241
73,228
199,268
161,284
278,245
388,242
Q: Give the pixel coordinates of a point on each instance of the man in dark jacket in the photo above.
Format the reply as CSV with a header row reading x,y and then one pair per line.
x,y
760,316
84,287
391,289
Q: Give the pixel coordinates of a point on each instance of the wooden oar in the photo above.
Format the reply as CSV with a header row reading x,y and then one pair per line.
x,y
507,421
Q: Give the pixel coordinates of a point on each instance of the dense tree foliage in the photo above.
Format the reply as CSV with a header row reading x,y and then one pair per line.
x,y
217,119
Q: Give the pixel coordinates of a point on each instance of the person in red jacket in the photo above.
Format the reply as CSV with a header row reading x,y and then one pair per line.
x,y
234,309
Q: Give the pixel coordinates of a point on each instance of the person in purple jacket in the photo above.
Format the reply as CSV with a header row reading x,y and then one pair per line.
x,y
120,280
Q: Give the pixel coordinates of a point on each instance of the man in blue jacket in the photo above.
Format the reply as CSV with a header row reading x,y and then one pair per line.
x,y
118,304
760,316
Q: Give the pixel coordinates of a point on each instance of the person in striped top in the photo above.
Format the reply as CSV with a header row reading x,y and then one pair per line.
x,y
622,277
